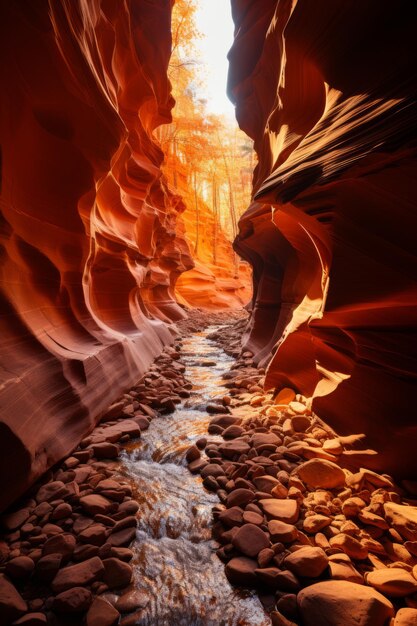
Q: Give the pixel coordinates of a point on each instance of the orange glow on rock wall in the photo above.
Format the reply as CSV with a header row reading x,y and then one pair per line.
x,y
91,244
327,91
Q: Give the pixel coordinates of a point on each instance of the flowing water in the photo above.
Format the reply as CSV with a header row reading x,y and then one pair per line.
x,y
175,560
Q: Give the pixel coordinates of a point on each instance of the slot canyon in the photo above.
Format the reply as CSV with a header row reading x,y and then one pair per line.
x,y
208,315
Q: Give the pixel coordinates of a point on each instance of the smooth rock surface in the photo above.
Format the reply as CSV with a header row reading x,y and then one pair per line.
x,y
283,510
102,613
319,473
78,575
93,238
392,581
338,603
333,158
250,540
406,617
307,562
12,604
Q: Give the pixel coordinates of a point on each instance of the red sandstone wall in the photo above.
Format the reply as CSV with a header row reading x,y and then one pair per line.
x,y
327,90
91,247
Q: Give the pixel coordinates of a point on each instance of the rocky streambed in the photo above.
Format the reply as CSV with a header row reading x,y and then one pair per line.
x,y
325,540
201,500
120,531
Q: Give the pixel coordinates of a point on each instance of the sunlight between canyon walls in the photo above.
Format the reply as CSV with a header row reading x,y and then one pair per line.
x,y
208,162
328,92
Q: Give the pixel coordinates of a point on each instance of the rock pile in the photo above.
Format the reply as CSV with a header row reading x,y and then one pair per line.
x,y
323,539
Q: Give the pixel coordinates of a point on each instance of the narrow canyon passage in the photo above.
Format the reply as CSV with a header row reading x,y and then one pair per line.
x,y
208,313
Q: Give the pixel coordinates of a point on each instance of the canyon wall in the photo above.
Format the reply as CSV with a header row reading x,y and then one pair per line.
x,y
327,90
91,239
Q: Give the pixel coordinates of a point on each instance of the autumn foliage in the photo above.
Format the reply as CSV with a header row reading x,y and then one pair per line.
x,y
208,163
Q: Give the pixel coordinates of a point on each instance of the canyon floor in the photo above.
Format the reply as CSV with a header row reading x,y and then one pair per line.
x,y
201,500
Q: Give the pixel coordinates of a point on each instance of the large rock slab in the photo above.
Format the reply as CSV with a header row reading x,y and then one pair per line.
x,y
392,581
403,518
319,473
78,575
338,603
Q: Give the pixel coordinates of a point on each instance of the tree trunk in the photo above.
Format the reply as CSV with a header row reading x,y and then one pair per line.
x,y
215,211
197,216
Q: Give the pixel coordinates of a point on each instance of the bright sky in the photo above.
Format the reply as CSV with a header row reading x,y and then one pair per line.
x,y
214,21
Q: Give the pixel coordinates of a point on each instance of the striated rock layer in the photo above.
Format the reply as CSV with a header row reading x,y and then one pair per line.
x,y
327,90
91,244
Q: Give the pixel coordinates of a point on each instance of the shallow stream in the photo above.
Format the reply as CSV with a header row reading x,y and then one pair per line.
x,y
175,560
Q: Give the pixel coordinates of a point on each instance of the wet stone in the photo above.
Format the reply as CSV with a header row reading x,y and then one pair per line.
x,y
132,600
102,613
78,575
240,571
122,537
129,508
275,578
216,408
307,562
75,600
94,504
212,469
239,497
250,517
117,573
265,439
233,448
265,483
250,540
265,556
62,544
232,517
95,534
105,450
232,432
192,454
201,443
